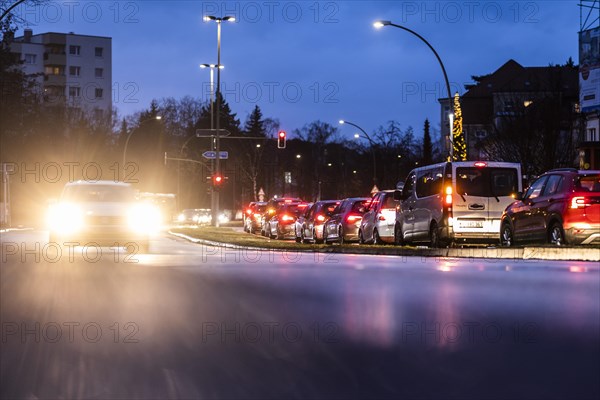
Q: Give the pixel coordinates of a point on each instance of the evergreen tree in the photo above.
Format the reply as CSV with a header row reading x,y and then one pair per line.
x,y
427,146
255,126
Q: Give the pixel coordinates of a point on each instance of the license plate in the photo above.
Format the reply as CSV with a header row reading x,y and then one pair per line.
x,y
471,224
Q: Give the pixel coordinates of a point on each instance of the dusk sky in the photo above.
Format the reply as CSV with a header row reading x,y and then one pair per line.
x,y
306,61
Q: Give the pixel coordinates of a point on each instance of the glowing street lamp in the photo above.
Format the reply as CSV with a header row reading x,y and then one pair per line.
x,y
381,24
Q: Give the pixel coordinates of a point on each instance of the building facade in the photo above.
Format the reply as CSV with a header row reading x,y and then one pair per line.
x,y
514,93
72,70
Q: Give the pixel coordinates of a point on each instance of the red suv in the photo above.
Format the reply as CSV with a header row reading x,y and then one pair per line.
x,y
560,207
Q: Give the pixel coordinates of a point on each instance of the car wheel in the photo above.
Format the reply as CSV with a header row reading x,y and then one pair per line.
x,y
325,240
341,236
506,235
361,239
434,237
298,238
377,238
556,235
315,240
398,237
270,232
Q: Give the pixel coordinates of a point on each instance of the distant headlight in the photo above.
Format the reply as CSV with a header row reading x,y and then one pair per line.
x,y
65,218
195,218
181,218
204,219
223,218
144,218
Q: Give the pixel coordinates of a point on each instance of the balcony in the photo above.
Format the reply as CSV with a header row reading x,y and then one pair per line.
x,y
55,59
55,80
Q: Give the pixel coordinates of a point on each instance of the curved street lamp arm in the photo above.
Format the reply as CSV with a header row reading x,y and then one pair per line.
x,y
434,52
366,135
9,9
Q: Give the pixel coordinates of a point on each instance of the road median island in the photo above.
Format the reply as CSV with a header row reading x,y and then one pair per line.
x,y
228,237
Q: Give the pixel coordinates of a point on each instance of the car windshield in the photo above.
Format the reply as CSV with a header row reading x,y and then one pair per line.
x,y
486,182
588,183
98,193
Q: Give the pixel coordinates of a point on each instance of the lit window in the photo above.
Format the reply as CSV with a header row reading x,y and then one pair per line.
x,y
527,103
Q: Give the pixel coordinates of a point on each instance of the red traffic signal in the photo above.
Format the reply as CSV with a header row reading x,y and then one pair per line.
x,y
217,180
281,136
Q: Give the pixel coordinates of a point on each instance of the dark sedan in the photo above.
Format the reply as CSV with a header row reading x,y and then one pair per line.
x,y
344,223
309,227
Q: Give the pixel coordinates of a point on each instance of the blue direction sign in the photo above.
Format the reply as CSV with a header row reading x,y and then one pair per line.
x,y
212,155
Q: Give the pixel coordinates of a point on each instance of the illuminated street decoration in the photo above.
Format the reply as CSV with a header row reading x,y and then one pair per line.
x,y
458,136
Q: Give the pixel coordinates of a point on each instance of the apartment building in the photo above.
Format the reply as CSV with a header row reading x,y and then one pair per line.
x,y
72,70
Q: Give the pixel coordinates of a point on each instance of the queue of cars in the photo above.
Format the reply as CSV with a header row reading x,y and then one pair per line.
x,y
445,204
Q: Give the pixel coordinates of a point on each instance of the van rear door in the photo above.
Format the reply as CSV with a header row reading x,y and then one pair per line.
x,y
482,192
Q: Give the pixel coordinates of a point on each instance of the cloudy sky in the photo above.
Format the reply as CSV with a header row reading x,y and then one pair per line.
x,y
302,61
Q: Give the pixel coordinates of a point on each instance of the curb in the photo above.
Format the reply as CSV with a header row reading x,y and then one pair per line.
x,y
523,253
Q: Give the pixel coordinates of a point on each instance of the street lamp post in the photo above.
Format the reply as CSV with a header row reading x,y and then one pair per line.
x,y
371,142
157,118
381,24
215,194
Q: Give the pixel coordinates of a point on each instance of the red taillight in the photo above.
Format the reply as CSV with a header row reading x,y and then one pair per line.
x,y
286,218
448,195
480,164
249,211
353,218
320,218
382,218
579,202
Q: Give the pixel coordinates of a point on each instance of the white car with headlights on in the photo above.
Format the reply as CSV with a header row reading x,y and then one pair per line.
x,y
104,213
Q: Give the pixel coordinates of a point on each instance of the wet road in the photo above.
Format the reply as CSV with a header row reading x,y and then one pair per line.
x,y
190,321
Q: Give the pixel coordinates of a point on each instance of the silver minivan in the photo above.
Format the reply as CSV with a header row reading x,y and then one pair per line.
x,y
455,202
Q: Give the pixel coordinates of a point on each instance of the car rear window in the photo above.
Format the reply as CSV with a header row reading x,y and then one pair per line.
x,y
588,183
486,182
358,204
388,201
98,193
293,209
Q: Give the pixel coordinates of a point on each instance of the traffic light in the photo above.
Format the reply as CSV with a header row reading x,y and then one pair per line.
x,y
217,180
281,136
